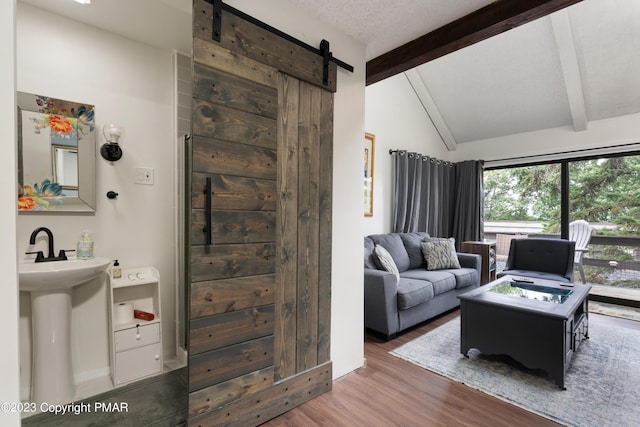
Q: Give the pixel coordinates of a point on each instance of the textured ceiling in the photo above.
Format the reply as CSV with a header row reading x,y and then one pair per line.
x,y
383,25
575,66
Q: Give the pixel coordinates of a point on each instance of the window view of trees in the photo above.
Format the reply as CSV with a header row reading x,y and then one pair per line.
x,y
530,193
605,192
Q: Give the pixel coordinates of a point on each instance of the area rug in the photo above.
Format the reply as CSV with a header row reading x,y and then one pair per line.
x,y
603,380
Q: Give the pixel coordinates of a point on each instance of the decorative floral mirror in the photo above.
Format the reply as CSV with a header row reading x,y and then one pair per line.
x,y
56,155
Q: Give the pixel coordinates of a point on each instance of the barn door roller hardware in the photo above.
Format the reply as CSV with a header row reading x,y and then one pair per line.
x,y
327,56
217,20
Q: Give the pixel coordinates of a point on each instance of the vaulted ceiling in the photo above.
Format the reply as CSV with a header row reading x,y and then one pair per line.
x,y
577,65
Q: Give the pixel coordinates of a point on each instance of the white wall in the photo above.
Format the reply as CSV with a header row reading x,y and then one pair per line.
x,y
347,320
130,84
9,360
612,134
396,117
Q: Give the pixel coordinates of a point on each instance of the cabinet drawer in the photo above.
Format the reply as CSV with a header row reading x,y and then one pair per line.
x,y
581,332
137,337
138,363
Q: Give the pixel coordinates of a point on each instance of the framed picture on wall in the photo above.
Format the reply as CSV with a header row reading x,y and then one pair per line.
x,y
369,150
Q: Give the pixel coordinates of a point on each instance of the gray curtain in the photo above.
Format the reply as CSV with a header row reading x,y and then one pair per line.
x,y
468,205
441,198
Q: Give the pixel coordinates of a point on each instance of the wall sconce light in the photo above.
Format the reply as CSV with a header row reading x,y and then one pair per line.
x,y
111,149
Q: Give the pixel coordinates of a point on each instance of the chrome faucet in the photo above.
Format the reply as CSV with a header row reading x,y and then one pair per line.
x,y
62,256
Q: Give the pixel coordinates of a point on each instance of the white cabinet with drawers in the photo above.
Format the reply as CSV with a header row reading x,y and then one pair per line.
x,y
136,344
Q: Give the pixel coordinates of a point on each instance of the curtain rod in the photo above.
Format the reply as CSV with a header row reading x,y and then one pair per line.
x,y
424,157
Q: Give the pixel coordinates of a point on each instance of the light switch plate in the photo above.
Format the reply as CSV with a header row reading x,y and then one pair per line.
x,y
144,176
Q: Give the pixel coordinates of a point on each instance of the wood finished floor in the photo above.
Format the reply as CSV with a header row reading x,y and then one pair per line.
x,y
393,392
388,392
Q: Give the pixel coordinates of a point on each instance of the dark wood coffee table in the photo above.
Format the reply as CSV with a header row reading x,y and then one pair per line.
x,y
542,333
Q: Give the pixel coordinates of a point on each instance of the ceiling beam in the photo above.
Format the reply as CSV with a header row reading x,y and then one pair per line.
x,y
491,20
570,69
430,107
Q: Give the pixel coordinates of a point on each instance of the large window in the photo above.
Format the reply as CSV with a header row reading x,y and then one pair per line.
x,y
524,194
605,192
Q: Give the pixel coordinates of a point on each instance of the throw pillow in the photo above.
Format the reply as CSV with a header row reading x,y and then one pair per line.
x,y
413,244
369,261
440,254
385,261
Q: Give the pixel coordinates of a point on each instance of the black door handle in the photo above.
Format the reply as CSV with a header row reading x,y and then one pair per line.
x,y
207,212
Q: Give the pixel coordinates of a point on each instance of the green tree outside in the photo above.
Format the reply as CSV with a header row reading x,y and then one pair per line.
x,y
605,190
600,190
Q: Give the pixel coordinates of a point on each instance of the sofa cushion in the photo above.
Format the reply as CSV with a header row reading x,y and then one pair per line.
x,y
369,261
413,244
464,276
441,280
393,244
384,261
413,292
440,254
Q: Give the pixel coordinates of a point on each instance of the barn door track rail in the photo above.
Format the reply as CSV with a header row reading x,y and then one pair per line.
x,y
323,51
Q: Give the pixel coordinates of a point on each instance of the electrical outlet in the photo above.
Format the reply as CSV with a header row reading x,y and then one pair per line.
x,y
144,176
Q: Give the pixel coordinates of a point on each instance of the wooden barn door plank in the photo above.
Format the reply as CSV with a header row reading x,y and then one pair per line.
x,y
308,225
261,290
325,193
258,44
287,230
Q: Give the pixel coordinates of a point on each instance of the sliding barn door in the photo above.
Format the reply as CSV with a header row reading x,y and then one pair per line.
x,y
260,239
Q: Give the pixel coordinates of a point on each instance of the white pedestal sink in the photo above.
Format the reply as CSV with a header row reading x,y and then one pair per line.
x,y
50,286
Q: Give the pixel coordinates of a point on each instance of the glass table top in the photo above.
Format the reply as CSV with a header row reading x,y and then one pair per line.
x,y
530,290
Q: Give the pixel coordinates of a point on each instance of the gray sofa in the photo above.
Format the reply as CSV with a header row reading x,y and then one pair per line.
x,y
392,304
